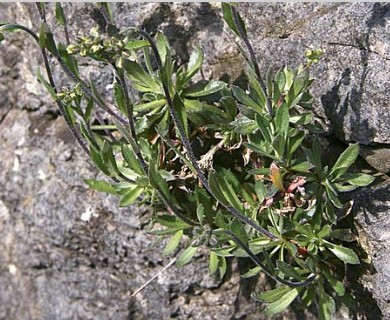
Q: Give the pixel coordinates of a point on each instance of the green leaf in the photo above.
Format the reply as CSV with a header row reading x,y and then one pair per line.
x,y
150,106
280,80
229,194
162,47
196,60
100,185
358,179
200,213
344,254
282,119
109,158
70,60
230,107
301,167
326,306
1,37
237,227
131,160
278,145
272,295
303,118
301,81
98,160
337,285
186,256
344,188
244,98
120,98
244,125
256,89
129,197
346,159
157,181
215,187
222,266
173,243
287,270
282,303
60,16
203,88
260,151
264,127
42,36
47,85
295,142
261,192
171,221
325,231
140,79
181,112
251,273
228,17
213,262
309,296
50,44
136,44
332,194
167,231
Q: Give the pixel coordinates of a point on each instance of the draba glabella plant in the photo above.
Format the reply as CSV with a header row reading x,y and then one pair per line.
x,y
236,170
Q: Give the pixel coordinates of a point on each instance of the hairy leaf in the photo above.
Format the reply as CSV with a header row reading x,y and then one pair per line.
x,y
100,185
186,256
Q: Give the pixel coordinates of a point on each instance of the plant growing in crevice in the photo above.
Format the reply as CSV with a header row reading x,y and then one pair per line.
x,y
236,170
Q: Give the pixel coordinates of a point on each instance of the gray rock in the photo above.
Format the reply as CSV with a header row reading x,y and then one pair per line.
x,y
70,253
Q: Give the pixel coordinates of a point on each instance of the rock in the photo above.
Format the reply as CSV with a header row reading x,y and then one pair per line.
x,y
379,158
68,252
373,220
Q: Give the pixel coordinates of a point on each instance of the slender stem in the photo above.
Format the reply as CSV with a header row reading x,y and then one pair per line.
x,y
190,152
133,133
65,27
257,261
84,87
253,58
87,91
51,81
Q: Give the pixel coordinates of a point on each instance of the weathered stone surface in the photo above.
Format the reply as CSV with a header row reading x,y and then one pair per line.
x,y
373,207
68,253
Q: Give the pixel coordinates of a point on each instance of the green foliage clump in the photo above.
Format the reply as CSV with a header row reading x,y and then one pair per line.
x,y
236,170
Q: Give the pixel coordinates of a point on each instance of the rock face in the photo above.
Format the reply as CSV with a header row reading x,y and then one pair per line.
x,y
70,253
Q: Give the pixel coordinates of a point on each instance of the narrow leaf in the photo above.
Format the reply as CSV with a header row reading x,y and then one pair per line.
x,y
346,159
244,98
272,295
345,254
186,256
282,119
173,243
228,17
129,197
196,60
282,303
100,185
60,16
203,88
213,262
